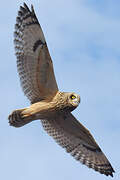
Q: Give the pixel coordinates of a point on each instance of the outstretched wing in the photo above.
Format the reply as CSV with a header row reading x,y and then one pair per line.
x,y
78,141
34,63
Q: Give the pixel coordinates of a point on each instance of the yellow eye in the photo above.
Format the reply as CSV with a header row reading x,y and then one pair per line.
x,y
72,96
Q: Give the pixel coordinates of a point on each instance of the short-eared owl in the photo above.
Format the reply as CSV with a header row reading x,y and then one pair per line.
x,y
48,104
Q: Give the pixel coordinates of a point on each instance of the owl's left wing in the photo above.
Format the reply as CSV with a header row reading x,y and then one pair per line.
x,y
34,63
78,141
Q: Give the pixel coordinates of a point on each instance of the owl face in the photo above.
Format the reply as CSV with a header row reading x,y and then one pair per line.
x,y
74,99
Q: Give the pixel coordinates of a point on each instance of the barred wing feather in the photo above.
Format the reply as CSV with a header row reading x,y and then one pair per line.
x,y
34,63
78,141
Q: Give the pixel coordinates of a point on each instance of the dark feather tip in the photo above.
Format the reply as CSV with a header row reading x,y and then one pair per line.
x,y
26,7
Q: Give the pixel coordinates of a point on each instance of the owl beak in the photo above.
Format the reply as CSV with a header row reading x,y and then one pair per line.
x,y
77,101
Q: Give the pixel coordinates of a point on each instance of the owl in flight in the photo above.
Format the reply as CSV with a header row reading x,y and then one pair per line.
x,y
48,104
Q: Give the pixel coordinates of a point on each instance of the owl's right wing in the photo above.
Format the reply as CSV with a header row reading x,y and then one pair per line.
x,y
34,63
78,141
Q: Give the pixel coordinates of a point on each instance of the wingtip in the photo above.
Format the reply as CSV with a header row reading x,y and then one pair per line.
x,y
25,6
111,172
32,8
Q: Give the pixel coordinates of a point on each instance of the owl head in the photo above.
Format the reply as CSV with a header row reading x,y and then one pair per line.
x,y
71,101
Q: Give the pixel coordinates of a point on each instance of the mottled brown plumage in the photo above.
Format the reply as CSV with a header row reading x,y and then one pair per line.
x,y
48,104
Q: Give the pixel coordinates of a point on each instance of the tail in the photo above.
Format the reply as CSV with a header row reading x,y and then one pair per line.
x,y
17,119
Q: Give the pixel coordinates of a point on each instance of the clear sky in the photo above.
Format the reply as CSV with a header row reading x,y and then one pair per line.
x,y
84,41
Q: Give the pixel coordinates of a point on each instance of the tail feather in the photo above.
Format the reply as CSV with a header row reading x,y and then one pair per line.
x,y
17,119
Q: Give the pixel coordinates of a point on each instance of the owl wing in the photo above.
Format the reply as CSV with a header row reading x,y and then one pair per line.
x,y
34,63
78,141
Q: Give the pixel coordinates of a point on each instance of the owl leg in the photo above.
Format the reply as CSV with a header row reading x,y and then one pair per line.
x,y
17,118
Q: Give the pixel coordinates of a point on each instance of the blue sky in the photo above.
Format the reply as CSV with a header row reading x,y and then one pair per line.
x,y
84,41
